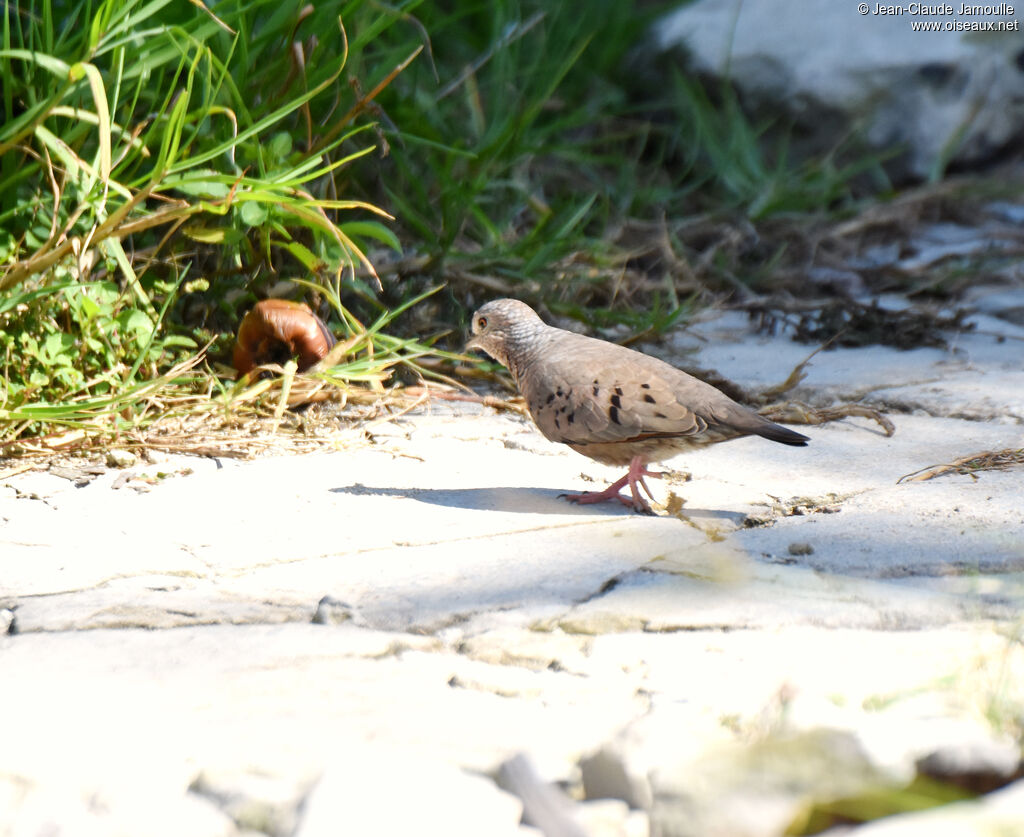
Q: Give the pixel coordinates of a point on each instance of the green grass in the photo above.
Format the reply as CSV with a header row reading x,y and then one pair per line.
x,y
503,163
164,164
749,165
526,141
146,144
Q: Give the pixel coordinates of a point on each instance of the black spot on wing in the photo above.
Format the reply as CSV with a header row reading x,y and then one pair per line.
x,y
649,398
613,414
617,402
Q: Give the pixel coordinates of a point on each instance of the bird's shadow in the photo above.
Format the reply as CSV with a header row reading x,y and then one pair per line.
x,y
517,499
492,498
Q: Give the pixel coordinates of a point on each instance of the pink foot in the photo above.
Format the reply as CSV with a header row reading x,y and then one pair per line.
x,y
635,477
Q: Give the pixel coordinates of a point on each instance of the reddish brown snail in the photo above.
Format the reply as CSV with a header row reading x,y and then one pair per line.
x,y
277,330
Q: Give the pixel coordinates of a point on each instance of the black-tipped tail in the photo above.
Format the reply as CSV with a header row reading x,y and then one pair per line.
x,y
742,421
778,433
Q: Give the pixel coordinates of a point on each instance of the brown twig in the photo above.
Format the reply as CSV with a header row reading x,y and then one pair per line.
x,y
989,460
796,412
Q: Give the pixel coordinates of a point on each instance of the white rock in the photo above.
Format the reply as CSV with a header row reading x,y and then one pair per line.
x,y
262,802
981,759
608,774
612,818
117,458
914,89
757,789
375,792
32,809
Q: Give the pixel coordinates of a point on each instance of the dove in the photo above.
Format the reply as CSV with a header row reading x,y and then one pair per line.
x,y
611,403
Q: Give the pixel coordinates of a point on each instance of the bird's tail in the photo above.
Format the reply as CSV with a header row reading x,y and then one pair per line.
x,y
745,422
778,433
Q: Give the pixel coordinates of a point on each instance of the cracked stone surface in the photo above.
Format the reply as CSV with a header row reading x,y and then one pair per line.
x,y
355,641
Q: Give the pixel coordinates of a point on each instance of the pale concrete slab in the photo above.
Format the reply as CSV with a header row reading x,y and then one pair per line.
x,y
161,645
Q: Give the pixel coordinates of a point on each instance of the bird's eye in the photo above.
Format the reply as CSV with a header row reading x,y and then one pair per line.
x,y
481,322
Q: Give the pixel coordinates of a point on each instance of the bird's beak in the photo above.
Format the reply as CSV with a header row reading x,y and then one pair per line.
x,y
471,345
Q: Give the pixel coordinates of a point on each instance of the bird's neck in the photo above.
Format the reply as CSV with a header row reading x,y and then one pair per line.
x,y
526,349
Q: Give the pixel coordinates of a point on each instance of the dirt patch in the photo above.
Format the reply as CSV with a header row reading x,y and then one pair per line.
x,y
830,503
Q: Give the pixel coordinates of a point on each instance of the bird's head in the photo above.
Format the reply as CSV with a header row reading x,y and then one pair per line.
x,y
501,327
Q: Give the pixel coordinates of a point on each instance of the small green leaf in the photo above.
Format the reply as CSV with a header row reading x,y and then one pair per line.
x,y
309,260
213,235
279,147
253,214
135,322
89,307
56,348
372,229
201,183
180,341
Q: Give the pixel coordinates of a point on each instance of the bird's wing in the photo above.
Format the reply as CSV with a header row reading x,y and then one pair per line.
x,y
605,393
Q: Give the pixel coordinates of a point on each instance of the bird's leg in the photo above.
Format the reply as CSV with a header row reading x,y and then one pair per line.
x,y
635,476
642,472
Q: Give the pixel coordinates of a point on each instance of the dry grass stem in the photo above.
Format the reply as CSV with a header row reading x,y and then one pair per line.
x,y
989,460
796,412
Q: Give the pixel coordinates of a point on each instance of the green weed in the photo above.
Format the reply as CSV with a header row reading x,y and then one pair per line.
x,y
142,142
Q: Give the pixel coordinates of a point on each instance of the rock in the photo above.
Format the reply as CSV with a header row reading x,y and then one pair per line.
x,y
608,774
1006,304
157,602
979,766
670,732
832,67
758,790
910,734
256,801
612,818
684,591
545,806
117,458
532,649
332,611
376,792
31,808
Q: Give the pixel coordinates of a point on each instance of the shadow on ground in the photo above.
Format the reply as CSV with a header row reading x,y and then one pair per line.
x,y
518,499
492,498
